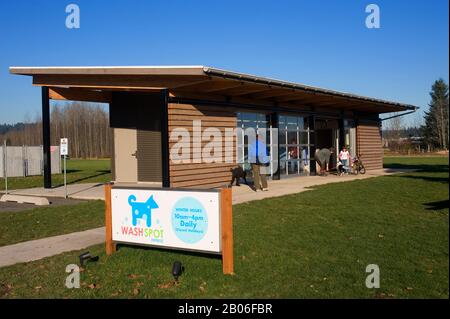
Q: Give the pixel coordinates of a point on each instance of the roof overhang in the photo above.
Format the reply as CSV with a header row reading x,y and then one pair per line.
x,y
204,83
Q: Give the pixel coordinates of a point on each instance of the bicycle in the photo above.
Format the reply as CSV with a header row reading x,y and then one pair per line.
x,y
358,166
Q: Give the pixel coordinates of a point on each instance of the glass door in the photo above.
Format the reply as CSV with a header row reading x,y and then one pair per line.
x,y
294,145
259,123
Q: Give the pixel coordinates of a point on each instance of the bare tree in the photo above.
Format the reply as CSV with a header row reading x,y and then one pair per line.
x,y
86,125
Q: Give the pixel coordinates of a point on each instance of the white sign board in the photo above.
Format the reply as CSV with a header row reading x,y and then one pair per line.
x,y
181,219
64,146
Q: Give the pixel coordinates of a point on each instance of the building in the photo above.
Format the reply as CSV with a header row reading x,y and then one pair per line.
x,y
147,105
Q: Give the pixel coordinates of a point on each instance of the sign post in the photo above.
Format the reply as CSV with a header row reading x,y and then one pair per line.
x,y
5,166
64,149
182,219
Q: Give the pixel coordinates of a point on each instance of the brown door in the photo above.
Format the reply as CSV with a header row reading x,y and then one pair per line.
x,y
149,166
137,119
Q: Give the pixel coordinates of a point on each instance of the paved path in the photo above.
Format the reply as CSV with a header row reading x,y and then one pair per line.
x,y
286,186
41,248
300,184
46,247
89,191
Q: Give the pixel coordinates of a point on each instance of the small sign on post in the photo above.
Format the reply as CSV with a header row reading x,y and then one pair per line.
x,y
64,149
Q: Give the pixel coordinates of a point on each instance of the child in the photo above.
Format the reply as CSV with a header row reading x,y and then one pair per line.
x,y
344,157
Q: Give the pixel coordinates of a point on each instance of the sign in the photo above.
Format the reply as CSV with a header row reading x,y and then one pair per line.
x,y
181,219
64,146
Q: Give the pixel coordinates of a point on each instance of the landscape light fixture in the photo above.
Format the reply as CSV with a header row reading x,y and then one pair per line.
x,y
177,270
86,257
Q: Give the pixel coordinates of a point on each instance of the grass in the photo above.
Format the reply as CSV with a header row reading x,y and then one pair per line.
x,y
314,244
50,221
78,171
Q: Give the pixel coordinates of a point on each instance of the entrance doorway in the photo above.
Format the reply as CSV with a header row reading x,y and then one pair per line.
x,y
294,139
327,136
136,119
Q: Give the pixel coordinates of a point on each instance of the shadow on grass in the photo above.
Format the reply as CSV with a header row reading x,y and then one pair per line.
x,y
70,171
101,173
429,168
177,251
443,180
439,205
422,168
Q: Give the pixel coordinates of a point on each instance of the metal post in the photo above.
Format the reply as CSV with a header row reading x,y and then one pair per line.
x,y
5,166
46,137
274,120
65,178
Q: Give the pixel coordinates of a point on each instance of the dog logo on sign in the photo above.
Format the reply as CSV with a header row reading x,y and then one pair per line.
x,y
142,210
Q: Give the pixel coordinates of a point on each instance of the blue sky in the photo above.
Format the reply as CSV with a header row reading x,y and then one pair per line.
x,y
321,43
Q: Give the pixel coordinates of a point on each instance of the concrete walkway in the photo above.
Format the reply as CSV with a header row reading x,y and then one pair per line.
x,y
90,191
299,184
41,248
46,247
286,186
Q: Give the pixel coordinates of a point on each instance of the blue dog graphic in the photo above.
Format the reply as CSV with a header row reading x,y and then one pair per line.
x,y
139,210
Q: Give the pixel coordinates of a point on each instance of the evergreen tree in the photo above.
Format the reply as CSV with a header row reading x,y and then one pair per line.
x,y
436,128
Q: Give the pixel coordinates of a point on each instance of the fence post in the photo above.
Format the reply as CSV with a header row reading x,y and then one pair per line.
x,y
24,164
110,246
227,231
5,166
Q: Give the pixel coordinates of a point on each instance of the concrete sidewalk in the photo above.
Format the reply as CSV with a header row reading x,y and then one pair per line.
x,y
46,247
89,191
300,184
286,186
41,248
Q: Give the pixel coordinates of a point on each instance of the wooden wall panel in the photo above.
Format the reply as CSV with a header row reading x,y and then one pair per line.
x,y
369,145
201,175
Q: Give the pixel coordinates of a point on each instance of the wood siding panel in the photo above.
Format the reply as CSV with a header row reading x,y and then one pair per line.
x,y
201,175
369,145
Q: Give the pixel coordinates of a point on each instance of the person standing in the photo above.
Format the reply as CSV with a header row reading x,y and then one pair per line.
x,y
257,155
344,157
293,154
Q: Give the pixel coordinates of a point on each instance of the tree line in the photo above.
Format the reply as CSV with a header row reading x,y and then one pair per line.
x,y
86,125
436,127
428,133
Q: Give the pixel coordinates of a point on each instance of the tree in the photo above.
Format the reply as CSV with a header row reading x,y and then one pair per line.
x,y
86,125
436,130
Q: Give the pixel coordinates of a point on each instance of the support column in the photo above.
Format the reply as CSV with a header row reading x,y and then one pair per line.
x,y
341,133
274,120
165,139
46,137
313,141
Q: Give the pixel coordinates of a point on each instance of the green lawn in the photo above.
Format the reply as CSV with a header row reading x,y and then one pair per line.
x,y
78,171
314,244
50,221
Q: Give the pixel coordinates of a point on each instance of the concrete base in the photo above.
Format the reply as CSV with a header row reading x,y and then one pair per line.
x,y
39,201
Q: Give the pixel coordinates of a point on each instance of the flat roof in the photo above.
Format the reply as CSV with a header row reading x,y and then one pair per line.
x,y
207,80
